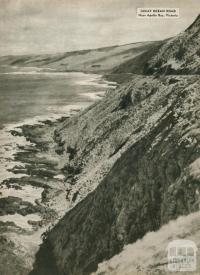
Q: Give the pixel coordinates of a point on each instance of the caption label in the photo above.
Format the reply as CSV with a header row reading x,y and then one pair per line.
x,y
160,13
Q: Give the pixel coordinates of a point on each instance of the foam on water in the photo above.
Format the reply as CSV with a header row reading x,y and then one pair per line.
x,y
21,221
9,147
96,80
66,110
28,193
10,144
94,96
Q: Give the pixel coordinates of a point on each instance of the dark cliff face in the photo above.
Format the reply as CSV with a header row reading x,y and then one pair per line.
x,y
154,181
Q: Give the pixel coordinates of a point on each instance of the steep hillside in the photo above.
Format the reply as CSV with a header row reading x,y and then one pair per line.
x,y
96,60
145,135
180,55
177,55
131,163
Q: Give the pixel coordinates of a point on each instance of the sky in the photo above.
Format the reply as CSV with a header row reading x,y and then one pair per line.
x,y
51,26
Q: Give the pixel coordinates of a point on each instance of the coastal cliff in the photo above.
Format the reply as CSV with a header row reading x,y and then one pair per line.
x,y
150,174
136,152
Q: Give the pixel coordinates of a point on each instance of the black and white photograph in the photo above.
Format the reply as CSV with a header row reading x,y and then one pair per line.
x,y
99,137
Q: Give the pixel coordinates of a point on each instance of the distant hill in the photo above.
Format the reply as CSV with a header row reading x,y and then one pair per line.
x,y
95,60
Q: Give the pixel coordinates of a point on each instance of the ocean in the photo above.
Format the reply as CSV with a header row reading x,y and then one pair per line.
x,y
25,95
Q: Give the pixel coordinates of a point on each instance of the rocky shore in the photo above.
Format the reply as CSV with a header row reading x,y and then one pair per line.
x,y
33,202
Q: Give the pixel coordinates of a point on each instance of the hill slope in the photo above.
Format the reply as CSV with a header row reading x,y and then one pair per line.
x,y
96,60
180,55
177,55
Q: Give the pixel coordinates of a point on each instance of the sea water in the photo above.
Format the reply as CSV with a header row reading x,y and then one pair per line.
x,y
32,96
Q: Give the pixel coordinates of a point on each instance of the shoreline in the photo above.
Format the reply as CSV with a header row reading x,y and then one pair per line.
x,y
24,219
32,155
